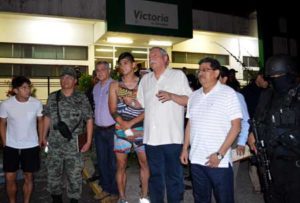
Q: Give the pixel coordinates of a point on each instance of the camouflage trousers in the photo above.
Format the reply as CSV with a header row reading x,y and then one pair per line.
x,y
61,164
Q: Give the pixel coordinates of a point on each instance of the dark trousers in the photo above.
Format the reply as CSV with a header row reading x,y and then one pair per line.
x,y
205,180
104,142
165,171
286,181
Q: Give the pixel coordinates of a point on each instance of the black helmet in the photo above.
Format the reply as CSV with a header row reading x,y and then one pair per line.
x,y
279,64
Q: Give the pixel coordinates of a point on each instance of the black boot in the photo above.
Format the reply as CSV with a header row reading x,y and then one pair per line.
x,y
73,200
57,198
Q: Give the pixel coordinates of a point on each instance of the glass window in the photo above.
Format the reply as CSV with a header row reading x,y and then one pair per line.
x,y
5,50
37,51
76,53
33,70
27,51
17,53
194,58
6,69
179,57
251,61
48,52
104,51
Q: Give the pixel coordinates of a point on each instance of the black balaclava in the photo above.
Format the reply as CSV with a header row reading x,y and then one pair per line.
x,y
284,83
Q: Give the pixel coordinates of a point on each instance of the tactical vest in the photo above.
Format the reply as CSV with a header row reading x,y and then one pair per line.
x,y
280,122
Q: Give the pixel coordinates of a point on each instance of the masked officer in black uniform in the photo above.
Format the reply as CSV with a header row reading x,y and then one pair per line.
x,y
278,125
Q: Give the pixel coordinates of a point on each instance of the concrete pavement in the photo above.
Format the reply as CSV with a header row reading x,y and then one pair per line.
x,y
244,193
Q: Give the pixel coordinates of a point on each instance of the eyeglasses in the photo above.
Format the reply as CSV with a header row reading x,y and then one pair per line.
x,y
204,70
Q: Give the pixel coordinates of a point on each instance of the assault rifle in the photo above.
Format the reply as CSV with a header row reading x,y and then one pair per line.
x,y
263,163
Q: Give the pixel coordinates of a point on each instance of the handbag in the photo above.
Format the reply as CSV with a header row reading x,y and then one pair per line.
x,y
61,126
64,130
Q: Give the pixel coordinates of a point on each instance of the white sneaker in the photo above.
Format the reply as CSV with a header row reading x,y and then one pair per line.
x,y
144,200
122,201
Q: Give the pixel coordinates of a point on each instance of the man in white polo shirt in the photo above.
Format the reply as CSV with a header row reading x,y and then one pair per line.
x,y
164,93
214,122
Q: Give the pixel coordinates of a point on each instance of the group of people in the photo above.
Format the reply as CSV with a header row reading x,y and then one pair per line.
x,y
146,115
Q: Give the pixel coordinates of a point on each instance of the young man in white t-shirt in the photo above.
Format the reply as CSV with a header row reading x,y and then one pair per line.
x,y
21,119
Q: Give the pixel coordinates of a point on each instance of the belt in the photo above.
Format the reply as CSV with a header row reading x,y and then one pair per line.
x,y
105,127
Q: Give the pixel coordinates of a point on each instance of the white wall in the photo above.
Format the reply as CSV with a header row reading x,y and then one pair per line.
x,y
16,28
45,30
205,42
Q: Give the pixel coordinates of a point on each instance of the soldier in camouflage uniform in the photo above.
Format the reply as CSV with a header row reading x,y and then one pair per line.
x,y
64,155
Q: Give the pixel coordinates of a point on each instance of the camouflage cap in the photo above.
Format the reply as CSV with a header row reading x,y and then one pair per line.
x,y
69,71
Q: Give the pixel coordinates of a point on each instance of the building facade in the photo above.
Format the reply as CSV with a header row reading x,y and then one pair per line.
x,y
38,38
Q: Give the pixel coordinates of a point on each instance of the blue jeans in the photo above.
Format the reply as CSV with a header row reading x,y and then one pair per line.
x,y
206,179
165,170
104,142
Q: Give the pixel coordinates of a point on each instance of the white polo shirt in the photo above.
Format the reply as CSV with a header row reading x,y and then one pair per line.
x,y
163,123
21,131
210,121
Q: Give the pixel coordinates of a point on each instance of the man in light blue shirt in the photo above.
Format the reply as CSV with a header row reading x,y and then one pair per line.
x,y
240,143
104,133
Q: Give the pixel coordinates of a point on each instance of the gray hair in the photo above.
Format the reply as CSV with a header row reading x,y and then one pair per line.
x,y
162,51
105,63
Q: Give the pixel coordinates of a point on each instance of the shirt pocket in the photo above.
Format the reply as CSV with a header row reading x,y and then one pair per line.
x,y
31,115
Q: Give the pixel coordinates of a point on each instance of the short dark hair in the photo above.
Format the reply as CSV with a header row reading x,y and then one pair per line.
x,y
18,81
224,71
214,63
126,55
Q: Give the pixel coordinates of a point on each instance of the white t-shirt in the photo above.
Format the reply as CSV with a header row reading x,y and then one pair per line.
x,y
210,121
21,131
163,123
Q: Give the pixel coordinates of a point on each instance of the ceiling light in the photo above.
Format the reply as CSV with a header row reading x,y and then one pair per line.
x,y
105,50
139,52
119,40
160,43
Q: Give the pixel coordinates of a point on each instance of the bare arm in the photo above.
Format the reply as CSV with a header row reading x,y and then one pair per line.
x,y
112,102
164,96
231,136
184,154
3,122
251,142
46,125
40,129
89,134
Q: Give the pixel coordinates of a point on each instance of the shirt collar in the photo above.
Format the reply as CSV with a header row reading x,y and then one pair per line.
x,y
108,81
214,89
165,74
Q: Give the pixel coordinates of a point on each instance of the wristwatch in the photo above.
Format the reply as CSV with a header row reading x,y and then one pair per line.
x,y
219,156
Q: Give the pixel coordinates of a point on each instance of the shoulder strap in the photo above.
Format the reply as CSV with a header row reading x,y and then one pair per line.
x,y
58,114
57,105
